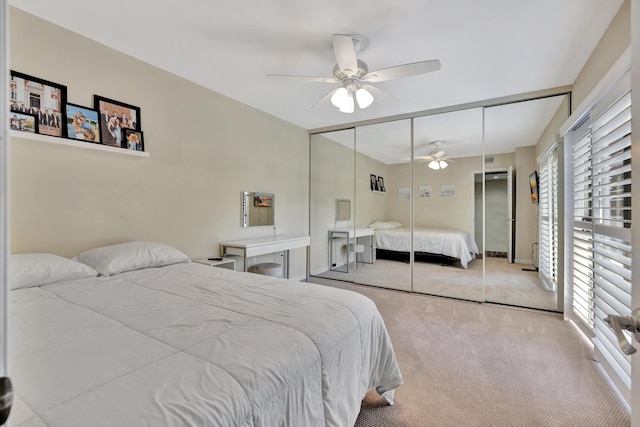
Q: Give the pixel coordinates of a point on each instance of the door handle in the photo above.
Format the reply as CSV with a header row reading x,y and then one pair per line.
x,y
630,323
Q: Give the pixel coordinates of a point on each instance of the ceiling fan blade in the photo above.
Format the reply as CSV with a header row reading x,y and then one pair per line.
x,y
303,78
345,52
401,71
439,153
324,100
379,94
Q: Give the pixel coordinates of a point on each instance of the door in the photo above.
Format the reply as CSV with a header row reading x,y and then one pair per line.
x,y
447,149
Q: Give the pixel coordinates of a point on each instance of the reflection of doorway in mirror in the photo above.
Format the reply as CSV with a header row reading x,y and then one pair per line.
x,y
424,190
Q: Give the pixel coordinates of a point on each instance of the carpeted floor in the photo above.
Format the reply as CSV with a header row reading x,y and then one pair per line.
x,y
504,283
471,364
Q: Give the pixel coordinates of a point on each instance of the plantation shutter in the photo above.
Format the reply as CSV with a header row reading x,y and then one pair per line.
x,y
611,170
582,265
548,244
601,270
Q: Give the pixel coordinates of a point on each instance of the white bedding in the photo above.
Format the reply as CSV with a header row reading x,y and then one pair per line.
x,y
191,345
454,243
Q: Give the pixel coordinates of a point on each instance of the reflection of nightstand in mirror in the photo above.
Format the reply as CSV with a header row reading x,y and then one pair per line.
x,y
227,263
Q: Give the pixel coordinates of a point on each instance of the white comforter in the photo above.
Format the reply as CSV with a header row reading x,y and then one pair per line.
x,y
453,243
191,345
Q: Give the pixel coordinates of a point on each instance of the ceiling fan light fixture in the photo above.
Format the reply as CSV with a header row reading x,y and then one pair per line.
x,y
364,98
339,97
443,164
348,106
434,165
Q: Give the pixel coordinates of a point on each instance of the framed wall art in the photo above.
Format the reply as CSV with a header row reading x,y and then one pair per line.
x,y
40,98
82,123
115,118
132,139
23,122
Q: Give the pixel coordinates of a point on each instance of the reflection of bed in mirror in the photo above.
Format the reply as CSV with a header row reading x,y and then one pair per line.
x,y
429,243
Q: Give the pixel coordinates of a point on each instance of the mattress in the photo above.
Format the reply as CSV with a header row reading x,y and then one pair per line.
x,y
453,243
191,345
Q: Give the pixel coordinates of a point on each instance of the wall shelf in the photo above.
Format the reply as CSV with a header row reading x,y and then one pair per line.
x,y
16,134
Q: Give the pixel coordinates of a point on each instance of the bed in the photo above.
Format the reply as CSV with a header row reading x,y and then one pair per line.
x,y
138,335
393,241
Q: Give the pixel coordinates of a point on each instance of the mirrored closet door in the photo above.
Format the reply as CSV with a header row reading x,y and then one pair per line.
x,y
447,154
517,136
332,253
383,210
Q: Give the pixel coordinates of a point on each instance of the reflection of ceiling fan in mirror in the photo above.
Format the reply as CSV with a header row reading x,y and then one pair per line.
x,y
353,74
437,158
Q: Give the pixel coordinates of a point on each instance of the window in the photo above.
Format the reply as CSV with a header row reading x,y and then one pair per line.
x,y
548,245
601,184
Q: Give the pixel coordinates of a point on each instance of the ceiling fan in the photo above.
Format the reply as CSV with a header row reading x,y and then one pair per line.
x,y
437,158
353,74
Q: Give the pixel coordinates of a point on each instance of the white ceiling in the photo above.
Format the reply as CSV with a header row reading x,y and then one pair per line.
x,y
488,49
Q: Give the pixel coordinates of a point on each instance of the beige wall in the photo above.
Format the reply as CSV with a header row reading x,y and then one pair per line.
x,y
526,212
613,43
205,149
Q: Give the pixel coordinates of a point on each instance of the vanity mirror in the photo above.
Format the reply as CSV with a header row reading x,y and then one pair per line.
x,y
258,209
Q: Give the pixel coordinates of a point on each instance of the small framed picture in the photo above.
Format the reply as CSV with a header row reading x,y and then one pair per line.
x,y
82,123
381,186
115,116
132,140
43,99
374,182
23,122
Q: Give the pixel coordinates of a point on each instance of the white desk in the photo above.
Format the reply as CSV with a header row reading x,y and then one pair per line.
x,y
264,245
362,236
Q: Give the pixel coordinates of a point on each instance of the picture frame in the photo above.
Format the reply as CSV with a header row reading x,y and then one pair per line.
x,y
374,182
82,123
113,115
132,140
43,99
23,122
381,186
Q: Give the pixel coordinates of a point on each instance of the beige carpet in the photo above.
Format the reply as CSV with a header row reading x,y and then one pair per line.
x,y
470,364
505,283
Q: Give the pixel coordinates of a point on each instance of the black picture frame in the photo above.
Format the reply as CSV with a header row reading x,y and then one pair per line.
x,y
41,98
23,122
121,112
132,139
82,123
374,182
381,184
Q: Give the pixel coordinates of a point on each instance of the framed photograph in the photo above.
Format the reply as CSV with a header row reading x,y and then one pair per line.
x,y
132,140
404,193
43,99
115,117
23,122
448,190
425,191
381,186
82,123
374,182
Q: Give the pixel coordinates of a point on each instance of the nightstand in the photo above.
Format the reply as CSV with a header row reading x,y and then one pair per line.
x,y
227,263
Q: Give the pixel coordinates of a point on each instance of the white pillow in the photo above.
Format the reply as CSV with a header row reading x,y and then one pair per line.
x,y
114,259
27,270
378,225
392,224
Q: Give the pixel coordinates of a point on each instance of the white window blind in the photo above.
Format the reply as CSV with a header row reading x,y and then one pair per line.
x,y
602,224
582,265
548,242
